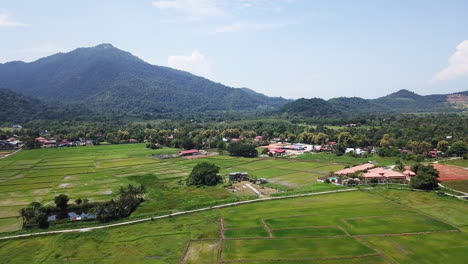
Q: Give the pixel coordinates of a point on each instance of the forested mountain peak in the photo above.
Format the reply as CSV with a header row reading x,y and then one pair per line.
x,y
107,78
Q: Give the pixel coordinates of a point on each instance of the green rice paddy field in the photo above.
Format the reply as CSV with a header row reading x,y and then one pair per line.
x,y
366,226
376,226
97,172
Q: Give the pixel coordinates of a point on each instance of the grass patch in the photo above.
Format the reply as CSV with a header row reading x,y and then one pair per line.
x,y
395,224
461,186
289,248
246,233
457,162
432,248
309,232
202,252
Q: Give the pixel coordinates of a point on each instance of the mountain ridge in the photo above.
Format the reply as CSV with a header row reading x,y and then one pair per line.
x,y
402,101
104,77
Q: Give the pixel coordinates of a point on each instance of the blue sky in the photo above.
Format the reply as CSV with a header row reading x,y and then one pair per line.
x,y
289,48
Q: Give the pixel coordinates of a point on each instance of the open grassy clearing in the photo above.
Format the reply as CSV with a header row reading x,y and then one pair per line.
x,y
202,252
366,259
166,241
309,232
395,224
461,186
457,162
432,248
293,248
253,232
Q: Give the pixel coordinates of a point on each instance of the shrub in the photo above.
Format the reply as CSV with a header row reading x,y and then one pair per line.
x,y
204,174
426,179
242,150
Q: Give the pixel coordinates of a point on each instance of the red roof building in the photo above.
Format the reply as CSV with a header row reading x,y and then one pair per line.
x,y
355,169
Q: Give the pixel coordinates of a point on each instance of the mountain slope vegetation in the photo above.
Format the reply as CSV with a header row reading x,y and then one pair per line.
x,y
106,78
402,101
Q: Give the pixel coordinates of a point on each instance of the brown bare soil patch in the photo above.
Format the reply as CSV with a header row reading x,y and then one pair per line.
x,y
451,173
4,153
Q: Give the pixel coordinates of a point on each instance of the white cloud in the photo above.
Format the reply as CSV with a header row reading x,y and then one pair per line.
x,y
458,64
5,21
196,9
201,9
250,25
195,63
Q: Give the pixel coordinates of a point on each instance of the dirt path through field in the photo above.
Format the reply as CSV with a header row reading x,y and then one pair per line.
x,y
9,154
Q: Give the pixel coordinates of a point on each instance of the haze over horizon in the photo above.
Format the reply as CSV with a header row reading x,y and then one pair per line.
x,y
287,48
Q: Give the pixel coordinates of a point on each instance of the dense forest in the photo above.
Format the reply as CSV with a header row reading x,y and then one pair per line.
x,y
404,131
111,80
402,101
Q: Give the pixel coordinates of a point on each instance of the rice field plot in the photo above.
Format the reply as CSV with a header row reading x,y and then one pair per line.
x,y
125,162
303,165
297,179
371,216
270,172
196,238
201,252
309,231
294,249
401,223
82,172
359,260
151,242
253,232
242,216
10,224
431,248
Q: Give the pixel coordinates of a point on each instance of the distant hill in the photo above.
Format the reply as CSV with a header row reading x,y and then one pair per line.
x,y
19,108
105,78
403,101
311,107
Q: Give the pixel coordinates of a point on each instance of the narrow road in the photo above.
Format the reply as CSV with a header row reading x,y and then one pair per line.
x,y
464,196
87,229
259,194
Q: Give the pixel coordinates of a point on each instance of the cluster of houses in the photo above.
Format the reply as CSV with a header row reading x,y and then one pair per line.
x,y
281,149
52,142
256,139
369,173
10,143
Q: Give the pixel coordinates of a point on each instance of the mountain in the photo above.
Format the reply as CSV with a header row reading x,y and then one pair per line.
x,y
105,78
403,101
17,108
310,107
